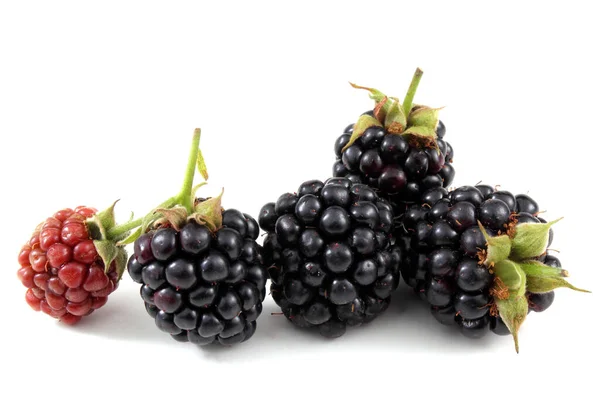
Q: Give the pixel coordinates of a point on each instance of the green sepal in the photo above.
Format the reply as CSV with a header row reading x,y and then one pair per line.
x,y
200,164
513,309
512,276
424,116
120,262
375,94
530,240
381,109
108,251
513,312
101,222
498,247
536,269
149,219
364,122
176,216
544,284
395,120
422,135
209,213
195,189
107,217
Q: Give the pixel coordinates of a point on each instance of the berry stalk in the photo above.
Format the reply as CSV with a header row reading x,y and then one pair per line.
x,y
119,230
412,90
176,210
199,265
185,195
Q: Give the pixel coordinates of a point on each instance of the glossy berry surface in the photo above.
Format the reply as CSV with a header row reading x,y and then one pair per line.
x,y
200,286
330,256
443,247
399,169
64,276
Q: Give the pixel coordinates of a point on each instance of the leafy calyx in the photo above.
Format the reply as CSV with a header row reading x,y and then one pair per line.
x,y
415,122
106,236
513,260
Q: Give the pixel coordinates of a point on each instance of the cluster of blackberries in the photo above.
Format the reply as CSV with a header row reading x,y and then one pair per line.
x,y
334,250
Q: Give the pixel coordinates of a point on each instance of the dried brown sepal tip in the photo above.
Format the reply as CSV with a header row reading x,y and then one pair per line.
x,y
513,221
499,290
174,217
375,94
207,212
395,120
379,111
494,310
481,256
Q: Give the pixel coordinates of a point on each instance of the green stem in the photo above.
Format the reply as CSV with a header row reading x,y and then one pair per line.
x,y
185,194
183,198
170,202
412,89
119,230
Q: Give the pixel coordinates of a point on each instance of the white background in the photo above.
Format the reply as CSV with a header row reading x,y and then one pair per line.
x,y
98,101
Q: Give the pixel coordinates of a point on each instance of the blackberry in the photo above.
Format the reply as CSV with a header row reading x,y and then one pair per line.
x,y
207,286
73,262
398,149
329,254
200,268
479,258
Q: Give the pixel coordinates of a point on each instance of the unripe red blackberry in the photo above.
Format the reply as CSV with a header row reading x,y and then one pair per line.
x,y
71,263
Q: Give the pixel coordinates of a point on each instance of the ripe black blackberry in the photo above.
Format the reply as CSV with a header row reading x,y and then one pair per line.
x,y
200,268
398,149
479,258
199,285
329,254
